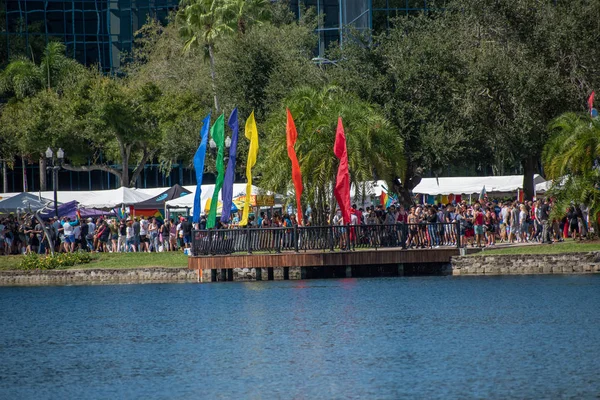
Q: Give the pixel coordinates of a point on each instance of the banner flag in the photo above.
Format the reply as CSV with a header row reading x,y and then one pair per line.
x,y
199,167
291,137
227,196
251,133
342,184
217,132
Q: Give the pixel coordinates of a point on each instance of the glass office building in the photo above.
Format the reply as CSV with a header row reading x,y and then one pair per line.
x,y
337,17
100,32
96,32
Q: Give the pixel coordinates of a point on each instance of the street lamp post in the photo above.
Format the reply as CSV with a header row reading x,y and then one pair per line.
x,y
54,165
213,149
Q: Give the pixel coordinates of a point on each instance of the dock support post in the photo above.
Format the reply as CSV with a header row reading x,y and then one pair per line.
x,y
206,275
400,269
295,273
278,273
348,271
264,273
258,274
229,275
213,275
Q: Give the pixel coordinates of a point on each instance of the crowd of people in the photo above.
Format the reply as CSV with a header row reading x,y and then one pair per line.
x,y
25,235
481,224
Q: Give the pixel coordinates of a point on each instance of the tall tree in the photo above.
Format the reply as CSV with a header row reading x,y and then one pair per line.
x,y
116,122
202,23
374,150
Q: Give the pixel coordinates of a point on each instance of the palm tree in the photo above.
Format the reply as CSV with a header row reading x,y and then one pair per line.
x,y
23,80
574,147
374,149
571,159
243,13
201,23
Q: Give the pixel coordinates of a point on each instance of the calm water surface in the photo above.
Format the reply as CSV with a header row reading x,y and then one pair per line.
x,y
430,337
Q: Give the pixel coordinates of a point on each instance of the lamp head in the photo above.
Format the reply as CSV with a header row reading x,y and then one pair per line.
x,y
227,142
212,143
49,153
60,154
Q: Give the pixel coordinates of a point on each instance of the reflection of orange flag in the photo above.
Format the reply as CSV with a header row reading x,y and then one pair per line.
x,y
292,135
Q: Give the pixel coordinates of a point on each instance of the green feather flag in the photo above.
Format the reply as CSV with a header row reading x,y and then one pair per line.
x,y
217,132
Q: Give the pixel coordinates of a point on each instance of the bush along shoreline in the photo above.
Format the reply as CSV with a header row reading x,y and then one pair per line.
x,y
61,260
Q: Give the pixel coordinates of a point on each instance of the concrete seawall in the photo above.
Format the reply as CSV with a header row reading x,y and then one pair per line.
x,y
89,276
567,263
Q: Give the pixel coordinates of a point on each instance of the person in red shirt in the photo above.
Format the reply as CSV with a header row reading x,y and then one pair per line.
x,y
478,220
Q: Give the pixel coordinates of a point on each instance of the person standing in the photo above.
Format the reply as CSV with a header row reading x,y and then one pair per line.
x,y
122,242
130,237
137,240
545,219
186,228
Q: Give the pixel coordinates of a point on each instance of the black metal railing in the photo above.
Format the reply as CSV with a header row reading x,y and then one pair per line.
x,y
324,238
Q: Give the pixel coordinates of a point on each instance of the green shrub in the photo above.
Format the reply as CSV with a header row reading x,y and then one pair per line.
x,y
60,260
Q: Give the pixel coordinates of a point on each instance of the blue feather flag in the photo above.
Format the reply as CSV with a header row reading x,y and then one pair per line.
x,y
199,167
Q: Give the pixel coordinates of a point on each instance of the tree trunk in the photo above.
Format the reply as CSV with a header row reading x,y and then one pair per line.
x,y
4,178
24,172
43,173
529,169
213,77
125,171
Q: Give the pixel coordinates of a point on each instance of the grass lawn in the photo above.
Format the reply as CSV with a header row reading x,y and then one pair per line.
x,y
114,261
568,246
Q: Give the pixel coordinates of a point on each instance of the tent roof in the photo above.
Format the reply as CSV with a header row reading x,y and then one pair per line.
x,y
239,189
472,184
26,201
112,198
70,210
159,200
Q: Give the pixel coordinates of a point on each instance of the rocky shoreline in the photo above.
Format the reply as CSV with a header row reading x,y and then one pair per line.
x,y
97,276
521,264
527,264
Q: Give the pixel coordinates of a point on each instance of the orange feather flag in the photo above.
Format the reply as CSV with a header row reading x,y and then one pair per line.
x,y
291,136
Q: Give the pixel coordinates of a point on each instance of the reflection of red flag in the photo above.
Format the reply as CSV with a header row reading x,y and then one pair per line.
x,y
342,184
292,135
591,102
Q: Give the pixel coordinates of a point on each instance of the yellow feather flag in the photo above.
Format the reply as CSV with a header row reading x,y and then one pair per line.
x,y
252,135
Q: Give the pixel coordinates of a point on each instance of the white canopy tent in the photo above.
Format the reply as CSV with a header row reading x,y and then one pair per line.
x,y
473,184
112,198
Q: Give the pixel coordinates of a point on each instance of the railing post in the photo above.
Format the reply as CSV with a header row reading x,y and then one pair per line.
x,y
279,239
296,248
209,250
331,236
249,238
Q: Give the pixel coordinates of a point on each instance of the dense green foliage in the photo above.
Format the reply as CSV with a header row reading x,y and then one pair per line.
x,y
471,88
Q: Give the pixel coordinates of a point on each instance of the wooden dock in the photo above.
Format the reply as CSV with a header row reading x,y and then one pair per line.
x,y
319,264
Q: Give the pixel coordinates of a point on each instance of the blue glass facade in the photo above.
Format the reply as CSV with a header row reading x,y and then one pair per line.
x,y
96,32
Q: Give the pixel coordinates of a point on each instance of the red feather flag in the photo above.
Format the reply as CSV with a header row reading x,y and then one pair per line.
x,y
291,136
591,101
342,184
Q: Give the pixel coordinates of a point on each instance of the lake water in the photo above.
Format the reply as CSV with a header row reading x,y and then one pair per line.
x,y
419,337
